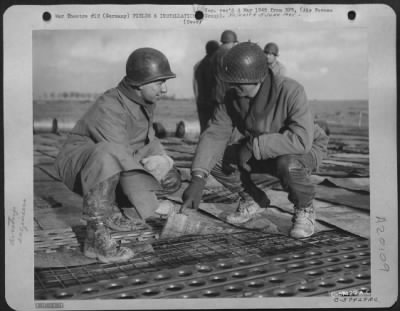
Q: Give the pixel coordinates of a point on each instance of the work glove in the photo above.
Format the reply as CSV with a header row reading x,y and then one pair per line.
x,y
158,165
192,195
245,154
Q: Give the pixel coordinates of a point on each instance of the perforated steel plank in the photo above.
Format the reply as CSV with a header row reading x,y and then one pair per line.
x,y
190,250
310,272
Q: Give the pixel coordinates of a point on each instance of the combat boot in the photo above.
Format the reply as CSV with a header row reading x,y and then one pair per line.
x,y
99,244
112,217
303,222
97,207
118,221
247,210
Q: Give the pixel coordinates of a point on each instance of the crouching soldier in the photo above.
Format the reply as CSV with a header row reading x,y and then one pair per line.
x,y
114,143
279,137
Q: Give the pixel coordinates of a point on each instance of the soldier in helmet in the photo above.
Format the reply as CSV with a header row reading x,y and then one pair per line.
x,y
228,40
279,137
214,88
203,84
114,144
271,51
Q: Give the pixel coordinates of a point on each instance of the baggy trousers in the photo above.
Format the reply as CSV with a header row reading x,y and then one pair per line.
x,y
142,189
82,167
292,170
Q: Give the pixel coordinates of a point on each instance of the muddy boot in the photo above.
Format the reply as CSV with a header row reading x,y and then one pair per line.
x,y
303,222
247,210
119,221
99,201
97,207
113,217
99,244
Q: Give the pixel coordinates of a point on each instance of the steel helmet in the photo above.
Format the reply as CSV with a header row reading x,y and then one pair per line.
x,y
228,36
271,48
244,63
147,65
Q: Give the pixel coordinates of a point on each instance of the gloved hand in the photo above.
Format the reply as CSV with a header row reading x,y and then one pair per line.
x,y
192,195
245,154
158,165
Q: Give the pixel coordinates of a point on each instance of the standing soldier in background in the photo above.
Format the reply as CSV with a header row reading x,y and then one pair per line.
x,y
217,87
214,88
203,84
114,143
279,137
228,40
271,51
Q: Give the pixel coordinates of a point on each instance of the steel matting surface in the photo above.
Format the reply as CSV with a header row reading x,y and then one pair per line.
x,y
170,253
175,253
313,272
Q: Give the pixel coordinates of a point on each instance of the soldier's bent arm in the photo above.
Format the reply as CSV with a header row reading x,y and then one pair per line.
x,y
296,135
105,121
213,141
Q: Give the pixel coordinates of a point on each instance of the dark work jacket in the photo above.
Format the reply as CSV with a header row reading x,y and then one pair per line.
x,y
219,86
279,116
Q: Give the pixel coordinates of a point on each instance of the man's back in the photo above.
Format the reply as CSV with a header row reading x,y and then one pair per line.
x,y
203,80
219,87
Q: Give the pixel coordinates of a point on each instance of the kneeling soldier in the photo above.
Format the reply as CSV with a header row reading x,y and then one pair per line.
x,y
279,137
114,143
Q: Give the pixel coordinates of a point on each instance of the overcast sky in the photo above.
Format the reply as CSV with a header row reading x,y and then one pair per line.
x,y
330,63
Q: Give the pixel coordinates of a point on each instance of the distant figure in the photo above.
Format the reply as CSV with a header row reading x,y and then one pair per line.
x,y
228,40
202,84
216,87
271,51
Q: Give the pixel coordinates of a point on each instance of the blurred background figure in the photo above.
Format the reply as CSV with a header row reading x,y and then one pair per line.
x,y
228,40
207,99
203,84
271,51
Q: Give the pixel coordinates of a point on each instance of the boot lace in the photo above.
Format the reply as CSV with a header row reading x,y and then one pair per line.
x,y
303,216
248,207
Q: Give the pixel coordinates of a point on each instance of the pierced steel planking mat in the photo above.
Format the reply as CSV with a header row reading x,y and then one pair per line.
x,y
325,254
316,271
